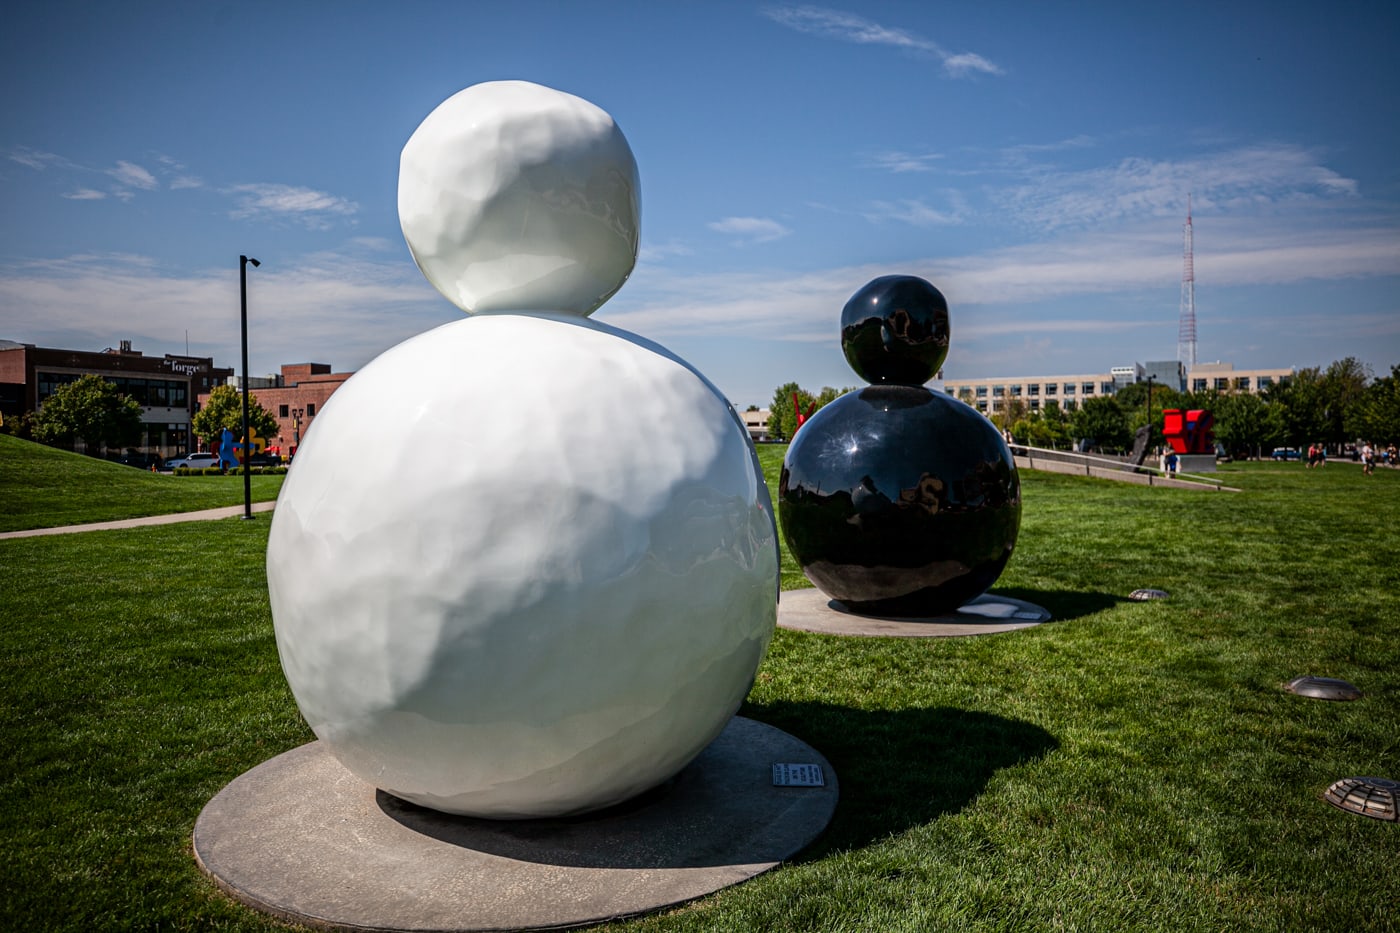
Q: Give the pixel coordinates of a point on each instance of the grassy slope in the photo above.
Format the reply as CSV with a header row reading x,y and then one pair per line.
x,y
1129,766
45,488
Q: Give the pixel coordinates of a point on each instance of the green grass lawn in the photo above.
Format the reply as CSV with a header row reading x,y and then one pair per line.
x,y
1127,766
45,488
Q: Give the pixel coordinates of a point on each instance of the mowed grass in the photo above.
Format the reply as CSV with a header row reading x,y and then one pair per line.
x,y
1127,766
41,487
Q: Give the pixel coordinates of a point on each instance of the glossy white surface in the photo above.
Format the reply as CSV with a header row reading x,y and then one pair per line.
x,y
516,196
522,565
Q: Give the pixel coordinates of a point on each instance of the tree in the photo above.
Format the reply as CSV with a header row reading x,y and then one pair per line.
x,y
92,409
1243,422
1100,421
782,417
1342,387
1376,415
1301,407
225,410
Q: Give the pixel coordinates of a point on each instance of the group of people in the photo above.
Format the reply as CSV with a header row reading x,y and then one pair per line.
x,y
1317,456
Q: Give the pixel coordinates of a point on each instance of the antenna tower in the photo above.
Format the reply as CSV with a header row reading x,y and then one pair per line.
x,y
1186,333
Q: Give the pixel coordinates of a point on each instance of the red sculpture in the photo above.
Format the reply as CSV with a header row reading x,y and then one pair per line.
x,y
797,407
1189,432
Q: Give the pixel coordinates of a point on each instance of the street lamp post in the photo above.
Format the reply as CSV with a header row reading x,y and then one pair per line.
x,y
243,295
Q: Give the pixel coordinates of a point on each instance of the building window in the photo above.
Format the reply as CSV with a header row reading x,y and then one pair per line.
x,y
1198,385
981,391
1264,382
1035,404
281,411
1015,391
310,409
1069,388
1105,388
1087,388
982,406
1242,382
1071,404
996,404
1222,383
1050,388
1033,390
998,391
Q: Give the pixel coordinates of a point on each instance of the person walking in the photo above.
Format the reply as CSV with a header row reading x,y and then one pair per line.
x,y
1368,456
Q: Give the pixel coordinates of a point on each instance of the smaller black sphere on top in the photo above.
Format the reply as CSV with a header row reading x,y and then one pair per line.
x,y
895,331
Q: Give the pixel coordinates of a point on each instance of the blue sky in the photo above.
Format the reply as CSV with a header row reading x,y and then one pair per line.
x,y
1032,160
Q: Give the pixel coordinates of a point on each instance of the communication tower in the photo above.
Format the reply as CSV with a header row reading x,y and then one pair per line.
x,y
1186,333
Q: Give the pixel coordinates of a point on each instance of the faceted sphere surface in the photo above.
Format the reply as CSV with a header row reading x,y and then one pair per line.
x,y
900,501
895,331
514,196
522,566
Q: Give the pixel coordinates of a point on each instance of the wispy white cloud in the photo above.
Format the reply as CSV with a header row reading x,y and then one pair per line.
x,y
185,181
37,159
306,205
85,194
848,27
326,307
1251,176
750,229
899,162
660,252
910,211
131,175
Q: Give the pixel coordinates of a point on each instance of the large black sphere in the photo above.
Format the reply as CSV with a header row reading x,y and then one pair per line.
x,y
900,501
895,331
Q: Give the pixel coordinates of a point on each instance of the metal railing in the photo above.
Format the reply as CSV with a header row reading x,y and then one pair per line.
x,y
1066,461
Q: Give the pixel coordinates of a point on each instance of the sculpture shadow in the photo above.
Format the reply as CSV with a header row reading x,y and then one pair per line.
x,y
895,768
902,768
1063,605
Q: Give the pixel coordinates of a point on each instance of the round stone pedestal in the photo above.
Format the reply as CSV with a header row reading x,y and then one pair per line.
x,y
811,610
301,838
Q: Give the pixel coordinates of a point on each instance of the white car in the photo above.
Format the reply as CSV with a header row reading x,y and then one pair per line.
x,y
193,461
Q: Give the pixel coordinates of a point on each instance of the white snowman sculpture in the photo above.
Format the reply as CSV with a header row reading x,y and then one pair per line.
x,y
525,564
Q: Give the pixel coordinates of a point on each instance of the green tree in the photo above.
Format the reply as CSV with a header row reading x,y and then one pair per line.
x,y
1133,400
1301,407
224,409
782,417
1244,423
1100,421
1376,415
1342,385
89,408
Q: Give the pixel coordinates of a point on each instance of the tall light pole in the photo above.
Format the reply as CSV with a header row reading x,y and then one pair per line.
x,y
243,295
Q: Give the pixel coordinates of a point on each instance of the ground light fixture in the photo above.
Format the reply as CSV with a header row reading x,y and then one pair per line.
x,y
1145,595
1366,796
243,317
1323,688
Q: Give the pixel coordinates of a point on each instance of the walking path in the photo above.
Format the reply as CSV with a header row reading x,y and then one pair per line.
x,y
231,511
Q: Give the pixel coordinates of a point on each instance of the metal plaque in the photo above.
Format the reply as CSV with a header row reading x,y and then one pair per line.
x,y
1143,596
798,775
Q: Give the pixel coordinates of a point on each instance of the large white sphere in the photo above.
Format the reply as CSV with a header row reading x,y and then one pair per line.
x,y
523,565
516,196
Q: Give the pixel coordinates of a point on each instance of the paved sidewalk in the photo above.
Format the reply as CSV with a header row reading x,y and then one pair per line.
x,y
231,511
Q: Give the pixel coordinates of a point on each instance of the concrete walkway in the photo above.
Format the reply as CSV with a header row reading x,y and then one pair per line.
x,y
231,511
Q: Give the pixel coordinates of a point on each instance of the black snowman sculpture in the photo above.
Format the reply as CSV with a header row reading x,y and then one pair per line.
x,y
896,500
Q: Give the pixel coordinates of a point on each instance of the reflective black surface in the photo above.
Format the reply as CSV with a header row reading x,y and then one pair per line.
x,y
895,331
900,501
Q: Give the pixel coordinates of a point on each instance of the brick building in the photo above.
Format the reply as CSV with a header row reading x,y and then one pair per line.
x,y
294,397
166,387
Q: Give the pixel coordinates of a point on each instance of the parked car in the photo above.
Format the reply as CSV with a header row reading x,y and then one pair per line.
x,y
197,461
142,461
264,460
1286,453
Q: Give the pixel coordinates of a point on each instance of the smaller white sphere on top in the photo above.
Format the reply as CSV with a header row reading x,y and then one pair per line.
x,y
514,196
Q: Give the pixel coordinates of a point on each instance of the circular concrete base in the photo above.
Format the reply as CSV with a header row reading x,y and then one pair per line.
x,y
811,610
301,838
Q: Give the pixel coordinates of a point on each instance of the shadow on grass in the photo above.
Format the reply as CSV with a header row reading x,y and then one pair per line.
x,y
901,768
1063,605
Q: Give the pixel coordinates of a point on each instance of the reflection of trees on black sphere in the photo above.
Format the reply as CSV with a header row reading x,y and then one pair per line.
x,y
900,501
895,331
